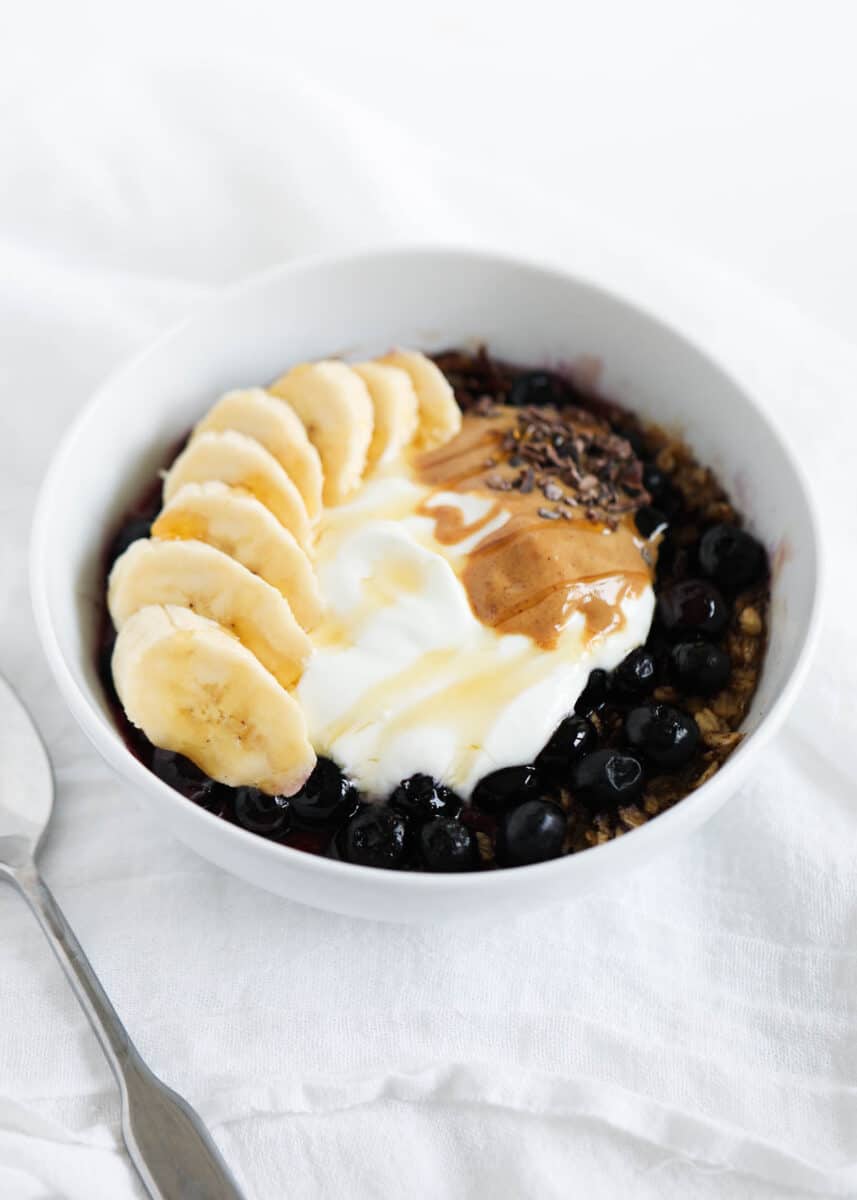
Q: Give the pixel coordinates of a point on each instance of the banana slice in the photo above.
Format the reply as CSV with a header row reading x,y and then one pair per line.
x,y
333,403
395,406
241,461
196,576
194,689
279,429
440,416
236,523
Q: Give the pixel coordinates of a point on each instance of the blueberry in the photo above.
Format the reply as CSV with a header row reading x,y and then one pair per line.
x,y
572,738
540,387
422,797
594,695
700,667
665,497
447,845
131,531
217,800
654,480
667,736
607,779
670,502
509,785
693,606
183,775
325,798
260,813
731,557
530,833
374,837
105,667
671,563
650,521
636,674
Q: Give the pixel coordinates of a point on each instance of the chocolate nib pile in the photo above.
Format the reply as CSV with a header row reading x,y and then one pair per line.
x,y
562,444
575,461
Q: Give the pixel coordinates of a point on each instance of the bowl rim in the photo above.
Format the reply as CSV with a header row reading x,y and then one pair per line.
x,y
112,748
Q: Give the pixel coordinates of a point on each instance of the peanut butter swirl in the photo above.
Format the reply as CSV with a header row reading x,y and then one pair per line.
x,y
569,488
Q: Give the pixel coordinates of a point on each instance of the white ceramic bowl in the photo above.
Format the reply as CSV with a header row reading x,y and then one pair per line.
x,y
362,305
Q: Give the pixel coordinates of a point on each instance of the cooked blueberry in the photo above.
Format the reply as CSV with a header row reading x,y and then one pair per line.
x,y
654,480
670,502
131,531
594,695
260,813
693,606
374,837
650,521
422,797
667,736
325,798
731,557
218,800
665,497
447,845
183,775
636,674
700,667
572,738
105,667
540,387
672,564
509,785
530,833
607,779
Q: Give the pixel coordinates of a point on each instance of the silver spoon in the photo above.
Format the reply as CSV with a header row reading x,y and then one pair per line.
x,y
167,1142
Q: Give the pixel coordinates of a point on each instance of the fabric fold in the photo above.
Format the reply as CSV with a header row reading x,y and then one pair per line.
x,y
692,1026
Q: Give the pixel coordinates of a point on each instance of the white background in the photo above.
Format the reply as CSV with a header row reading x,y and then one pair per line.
x,y
692,1032
727,126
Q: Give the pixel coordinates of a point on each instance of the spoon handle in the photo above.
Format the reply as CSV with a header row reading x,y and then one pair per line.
x,y
168,1143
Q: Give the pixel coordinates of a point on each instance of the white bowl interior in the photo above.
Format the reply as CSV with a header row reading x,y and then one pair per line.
x,y
363,305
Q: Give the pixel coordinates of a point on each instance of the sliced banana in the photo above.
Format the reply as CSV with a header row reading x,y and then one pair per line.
x,y
194,689
279,429
238,524
333,403
395,408
197,576
440,416
241,461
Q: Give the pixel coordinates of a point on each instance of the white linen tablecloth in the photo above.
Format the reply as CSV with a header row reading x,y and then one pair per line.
x,y
692,1030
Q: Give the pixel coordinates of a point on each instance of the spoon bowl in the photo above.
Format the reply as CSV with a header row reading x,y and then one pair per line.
x,y
26,784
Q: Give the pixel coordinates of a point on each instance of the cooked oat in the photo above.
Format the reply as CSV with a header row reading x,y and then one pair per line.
x,y
480,380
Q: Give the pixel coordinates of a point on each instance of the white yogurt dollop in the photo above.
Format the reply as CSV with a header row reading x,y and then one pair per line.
x,y
405,678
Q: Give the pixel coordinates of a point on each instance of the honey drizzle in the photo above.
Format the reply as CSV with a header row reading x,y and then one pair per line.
x,y
470,702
